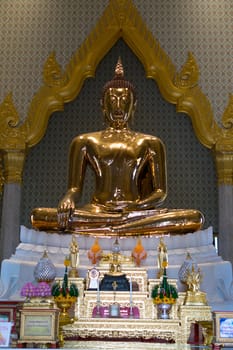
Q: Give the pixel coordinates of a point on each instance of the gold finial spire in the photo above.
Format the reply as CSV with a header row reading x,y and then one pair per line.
x,y
119,70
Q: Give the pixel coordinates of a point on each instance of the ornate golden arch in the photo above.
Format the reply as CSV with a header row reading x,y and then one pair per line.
x,y
119,20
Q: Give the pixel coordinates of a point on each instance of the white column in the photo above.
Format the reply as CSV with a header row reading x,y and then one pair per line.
x,y
10,225
226,221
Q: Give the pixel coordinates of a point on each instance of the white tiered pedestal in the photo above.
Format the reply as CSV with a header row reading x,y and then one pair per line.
x,y
217,274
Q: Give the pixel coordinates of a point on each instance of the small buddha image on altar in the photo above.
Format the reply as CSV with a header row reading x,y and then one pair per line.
x,y
115,263
115,277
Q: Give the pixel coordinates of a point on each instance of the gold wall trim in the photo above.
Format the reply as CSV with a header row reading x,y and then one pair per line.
x,y
119,20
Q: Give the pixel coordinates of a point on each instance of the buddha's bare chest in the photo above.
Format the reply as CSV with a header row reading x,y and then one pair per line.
x,y
119,153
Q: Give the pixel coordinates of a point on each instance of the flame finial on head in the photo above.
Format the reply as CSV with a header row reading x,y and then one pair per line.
x,y
119,70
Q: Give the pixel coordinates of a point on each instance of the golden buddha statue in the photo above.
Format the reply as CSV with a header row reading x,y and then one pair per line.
x,y
131,179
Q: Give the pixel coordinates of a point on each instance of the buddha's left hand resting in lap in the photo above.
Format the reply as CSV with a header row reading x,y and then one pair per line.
x,y
130,173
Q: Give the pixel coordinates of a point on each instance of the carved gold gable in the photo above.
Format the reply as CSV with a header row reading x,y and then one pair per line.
x,y
119,20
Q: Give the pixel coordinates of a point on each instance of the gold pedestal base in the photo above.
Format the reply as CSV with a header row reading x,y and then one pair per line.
x,y
64,304
195,298
73,272
148,326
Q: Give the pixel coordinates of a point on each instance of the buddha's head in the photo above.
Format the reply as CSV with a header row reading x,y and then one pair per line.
x,y
119,99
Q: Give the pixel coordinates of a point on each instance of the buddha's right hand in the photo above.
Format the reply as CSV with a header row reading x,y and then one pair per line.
x,y
65,209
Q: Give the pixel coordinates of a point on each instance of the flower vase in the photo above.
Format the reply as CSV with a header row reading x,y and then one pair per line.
x,y
64,303
163,311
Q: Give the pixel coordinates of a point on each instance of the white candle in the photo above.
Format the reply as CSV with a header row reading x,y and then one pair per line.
x,y
98,291
131,290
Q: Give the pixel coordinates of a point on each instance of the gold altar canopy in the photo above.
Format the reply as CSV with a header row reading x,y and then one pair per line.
x,y
119,20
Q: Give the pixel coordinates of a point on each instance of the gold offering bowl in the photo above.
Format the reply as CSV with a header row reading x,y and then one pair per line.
x,y
64,303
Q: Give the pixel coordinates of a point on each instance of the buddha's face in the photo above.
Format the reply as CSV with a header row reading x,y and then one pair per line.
x,y
118,106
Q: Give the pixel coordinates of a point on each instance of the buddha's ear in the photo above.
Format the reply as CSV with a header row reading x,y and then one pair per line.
x,y
104,114
101,103
134,107
103,110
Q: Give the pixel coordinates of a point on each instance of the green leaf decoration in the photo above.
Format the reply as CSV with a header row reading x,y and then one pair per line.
x,y
164,289
73,290
55,290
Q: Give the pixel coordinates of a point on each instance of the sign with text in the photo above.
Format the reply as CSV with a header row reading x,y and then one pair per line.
x,y
223,327
39,324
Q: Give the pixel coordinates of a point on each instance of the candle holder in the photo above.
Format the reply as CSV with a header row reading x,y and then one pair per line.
x,y
131,298
131,315
98,303
98,308
114,308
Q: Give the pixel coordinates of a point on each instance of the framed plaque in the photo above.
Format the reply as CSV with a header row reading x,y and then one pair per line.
x,y
39,325
223,327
